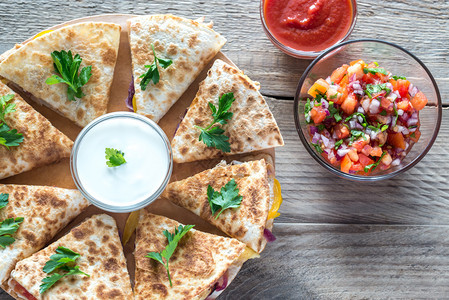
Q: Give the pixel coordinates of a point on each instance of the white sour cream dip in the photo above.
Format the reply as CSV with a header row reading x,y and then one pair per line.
x,y
137,182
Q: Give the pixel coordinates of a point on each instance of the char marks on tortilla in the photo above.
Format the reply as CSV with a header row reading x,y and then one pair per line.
x,y
252,126
189,44
46,210
98,243
245,223
196,265
42,143
30,65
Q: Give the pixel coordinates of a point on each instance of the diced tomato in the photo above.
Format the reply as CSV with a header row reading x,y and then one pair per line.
x,y
348,106
318,114
394,83
320,86
341,131
403,87
360,143
346,164
386,104
338,74
386,159
344,81
356,62
396,139
419,101
377,151
404,105
356,167
365,160
353,155
369,78
344,94
414,136
367,150
357,70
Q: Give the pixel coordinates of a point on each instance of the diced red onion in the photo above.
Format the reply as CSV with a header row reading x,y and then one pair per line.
x,y
407,145
392,97
352,124
389,86
342,152
316,138
327,112
338,157
400,112
352,78
412,90
358,126
325,140
374,106
412,121
131,92
366,104
396,162
313,130
397,94
328,80
268,235
402,129
324,103
331,154
359,92
360,110
326,133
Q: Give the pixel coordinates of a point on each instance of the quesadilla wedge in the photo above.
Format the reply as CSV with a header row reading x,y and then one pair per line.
x,y
249,221
200,261
188,44
42,143
30,65
46,210
97,242
252,125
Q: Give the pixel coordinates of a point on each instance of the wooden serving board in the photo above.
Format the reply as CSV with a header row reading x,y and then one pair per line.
x,y
58,174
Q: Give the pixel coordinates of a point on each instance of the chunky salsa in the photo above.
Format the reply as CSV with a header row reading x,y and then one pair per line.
x,y
308,25
363,118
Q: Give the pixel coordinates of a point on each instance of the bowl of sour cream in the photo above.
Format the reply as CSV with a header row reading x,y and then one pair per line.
x,y
144,168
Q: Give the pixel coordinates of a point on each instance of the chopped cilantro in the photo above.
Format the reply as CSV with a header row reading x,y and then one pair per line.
x,y
338,144
372,89
373,166
383,113
399,77
318,148
375,70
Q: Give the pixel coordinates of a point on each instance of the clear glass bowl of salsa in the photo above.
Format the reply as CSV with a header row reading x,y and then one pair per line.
x,y
393,60
306,28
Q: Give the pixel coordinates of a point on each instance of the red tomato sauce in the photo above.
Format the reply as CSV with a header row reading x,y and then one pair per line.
x,y
308,25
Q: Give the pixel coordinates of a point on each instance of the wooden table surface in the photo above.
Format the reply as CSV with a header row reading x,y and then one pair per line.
x,y
336,239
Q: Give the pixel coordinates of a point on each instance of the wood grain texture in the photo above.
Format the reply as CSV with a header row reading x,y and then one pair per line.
x,y
419,26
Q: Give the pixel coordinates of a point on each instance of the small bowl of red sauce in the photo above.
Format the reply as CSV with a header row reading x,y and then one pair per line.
x,y
367,110
305,28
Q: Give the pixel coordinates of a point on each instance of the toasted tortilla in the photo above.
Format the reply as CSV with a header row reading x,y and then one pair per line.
x,y
42,143
189,44
30,65
251,128
46,211
198,262
98,243
245,223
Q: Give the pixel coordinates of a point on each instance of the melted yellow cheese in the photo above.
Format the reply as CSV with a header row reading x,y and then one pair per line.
x,y
130,226
273,213
134,104
248,254
42,33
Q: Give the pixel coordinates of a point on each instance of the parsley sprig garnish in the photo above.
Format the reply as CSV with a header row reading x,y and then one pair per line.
x,y
152,74
373,166
214,136
63,260
9,226
173,240
67,67
114,157
8,137
228,197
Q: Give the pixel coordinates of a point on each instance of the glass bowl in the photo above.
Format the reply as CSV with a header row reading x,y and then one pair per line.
x,y
299,53
398,61
132,185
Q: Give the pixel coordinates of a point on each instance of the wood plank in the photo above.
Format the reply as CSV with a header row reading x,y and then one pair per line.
x,y
348,262
323,261
312,194
406,23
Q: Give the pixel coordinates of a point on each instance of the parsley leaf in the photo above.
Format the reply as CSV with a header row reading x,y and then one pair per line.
x,y
173,240
7,228
3,200
152,73
114,157
9,137
338,144
399,77
375,70
68,66
5,107
63,260
372,89
374,165
228,197
214,137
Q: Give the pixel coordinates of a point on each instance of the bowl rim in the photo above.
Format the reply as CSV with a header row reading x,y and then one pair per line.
x,y
361,178
300,53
